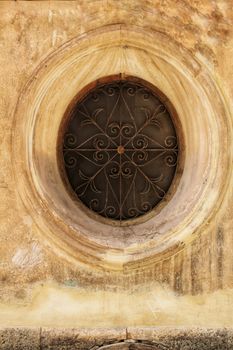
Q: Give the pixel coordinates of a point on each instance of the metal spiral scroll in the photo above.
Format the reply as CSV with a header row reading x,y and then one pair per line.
x,y
120,150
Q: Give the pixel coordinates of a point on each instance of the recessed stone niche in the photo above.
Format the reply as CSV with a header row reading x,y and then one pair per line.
x,y
192,95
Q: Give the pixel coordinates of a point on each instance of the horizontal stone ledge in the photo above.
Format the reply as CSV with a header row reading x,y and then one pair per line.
x,y
148,338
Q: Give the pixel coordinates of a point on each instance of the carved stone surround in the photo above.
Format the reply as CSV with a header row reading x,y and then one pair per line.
x,y
203,119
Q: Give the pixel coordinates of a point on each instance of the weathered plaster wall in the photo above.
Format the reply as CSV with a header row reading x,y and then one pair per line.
x,y
190,284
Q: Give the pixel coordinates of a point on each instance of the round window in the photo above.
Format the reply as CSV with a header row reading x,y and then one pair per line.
x,y
119,149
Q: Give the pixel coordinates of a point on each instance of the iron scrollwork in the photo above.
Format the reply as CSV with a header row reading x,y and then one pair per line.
x,y
120,150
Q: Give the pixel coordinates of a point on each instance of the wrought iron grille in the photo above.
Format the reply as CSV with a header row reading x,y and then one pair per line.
x,y
120,150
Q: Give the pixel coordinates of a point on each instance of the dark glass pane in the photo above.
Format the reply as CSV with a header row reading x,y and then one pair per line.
x,y
120,150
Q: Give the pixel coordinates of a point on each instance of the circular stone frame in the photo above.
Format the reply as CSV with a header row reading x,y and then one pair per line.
x,y
205,122
180,158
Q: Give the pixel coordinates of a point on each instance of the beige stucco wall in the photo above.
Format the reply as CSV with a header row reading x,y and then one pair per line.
x,y
50,275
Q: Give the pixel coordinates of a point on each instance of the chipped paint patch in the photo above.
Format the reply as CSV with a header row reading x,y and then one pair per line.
x,y
28,257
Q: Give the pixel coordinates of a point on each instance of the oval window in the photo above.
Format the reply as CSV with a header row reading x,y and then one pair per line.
x,y
120,149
